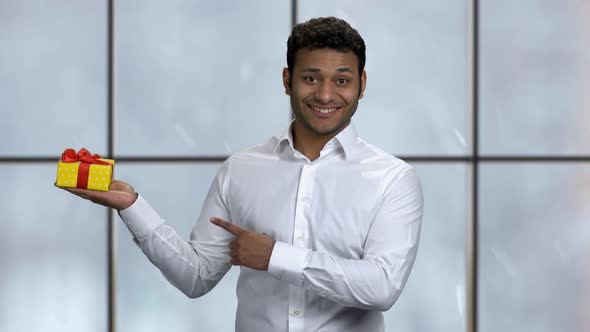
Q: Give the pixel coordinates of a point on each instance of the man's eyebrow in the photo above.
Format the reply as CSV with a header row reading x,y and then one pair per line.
x,y
317,70
312,70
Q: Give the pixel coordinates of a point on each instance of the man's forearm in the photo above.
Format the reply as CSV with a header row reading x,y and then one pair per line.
x,y
369,283
181,262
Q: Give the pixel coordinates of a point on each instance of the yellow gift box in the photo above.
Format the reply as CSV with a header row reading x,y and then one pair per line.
x,y
83,170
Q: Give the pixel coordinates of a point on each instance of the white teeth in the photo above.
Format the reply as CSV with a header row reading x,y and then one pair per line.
x,y
324,110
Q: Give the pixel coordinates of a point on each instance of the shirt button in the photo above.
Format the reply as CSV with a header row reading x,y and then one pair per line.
x,y
295,313
299,236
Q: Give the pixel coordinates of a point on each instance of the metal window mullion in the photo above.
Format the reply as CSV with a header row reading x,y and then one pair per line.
x,y
425,158
111,250
293,13
472,222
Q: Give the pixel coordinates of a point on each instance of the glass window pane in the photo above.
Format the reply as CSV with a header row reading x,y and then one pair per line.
x,y
199,77
146,301
53,255
415,102
52,76
436,287
534,250
535,75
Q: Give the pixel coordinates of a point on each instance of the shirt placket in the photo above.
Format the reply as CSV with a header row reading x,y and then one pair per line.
x,y
300,240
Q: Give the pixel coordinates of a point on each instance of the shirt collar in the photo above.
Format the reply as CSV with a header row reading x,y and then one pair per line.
x,y
285,136
347,138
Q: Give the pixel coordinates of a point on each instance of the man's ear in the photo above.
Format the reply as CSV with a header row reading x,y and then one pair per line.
x,y
286,79
363,84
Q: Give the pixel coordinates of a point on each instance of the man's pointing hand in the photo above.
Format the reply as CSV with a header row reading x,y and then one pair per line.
x,y
249,248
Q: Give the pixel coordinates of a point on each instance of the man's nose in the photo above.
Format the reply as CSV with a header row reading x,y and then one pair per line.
x,y
326,92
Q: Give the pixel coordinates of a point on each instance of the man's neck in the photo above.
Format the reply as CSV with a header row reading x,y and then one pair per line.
x,y
309,143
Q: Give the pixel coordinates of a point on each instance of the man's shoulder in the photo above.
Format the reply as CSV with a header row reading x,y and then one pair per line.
x,y
374,154
260,151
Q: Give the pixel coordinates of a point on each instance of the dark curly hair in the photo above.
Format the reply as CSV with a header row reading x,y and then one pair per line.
x,y
325,32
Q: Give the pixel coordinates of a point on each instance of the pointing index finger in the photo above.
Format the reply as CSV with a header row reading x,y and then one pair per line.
x,y
234,229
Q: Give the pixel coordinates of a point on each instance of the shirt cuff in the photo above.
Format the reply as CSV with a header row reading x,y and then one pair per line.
x,y
287,262
140,218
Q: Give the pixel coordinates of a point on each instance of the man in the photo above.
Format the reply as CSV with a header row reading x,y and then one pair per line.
x,y
323,225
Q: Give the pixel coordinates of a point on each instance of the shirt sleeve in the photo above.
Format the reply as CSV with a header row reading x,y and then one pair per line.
x,y
375,281
196,266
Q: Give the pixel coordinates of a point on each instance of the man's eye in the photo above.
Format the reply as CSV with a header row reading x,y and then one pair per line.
x,y
343,81
310,79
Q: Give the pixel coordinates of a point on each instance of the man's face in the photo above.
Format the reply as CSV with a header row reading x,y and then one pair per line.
x,y
325,87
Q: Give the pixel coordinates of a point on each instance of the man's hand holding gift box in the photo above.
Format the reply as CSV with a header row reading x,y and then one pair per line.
x,y
91,177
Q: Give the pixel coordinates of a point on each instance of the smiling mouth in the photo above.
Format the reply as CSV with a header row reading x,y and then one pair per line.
x,y
323,110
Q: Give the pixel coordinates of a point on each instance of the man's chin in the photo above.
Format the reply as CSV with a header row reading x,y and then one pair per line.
x,y
325,131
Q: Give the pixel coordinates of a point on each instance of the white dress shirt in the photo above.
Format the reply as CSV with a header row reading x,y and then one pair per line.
x,y
346,227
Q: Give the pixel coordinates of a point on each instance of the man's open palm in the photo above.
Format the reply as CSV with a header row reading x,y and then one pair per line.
x,y
120,195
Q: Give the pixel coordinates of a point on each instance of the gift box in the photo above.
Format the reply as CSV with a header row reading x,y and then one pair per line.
x,y
84,170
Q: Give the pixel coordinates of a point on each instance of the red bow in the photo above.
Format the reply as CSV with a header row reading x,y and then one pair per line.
x,y
85,159
70,156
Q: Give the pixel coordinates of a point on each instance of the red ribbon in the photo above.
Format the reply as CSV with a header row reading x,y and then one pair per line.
x,y
85,159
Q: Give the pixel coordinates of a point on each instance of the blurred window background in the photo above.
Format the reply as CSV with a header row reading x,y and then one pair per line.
x,y
487,99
